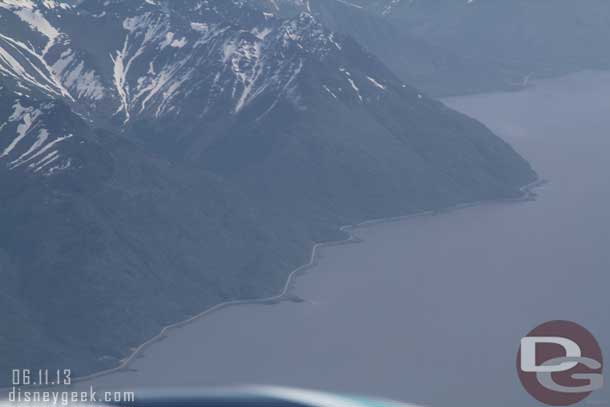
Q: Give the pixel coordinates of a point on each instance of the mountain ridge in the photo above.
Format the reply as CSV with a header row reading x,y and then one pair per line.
x,y
430,43
199,149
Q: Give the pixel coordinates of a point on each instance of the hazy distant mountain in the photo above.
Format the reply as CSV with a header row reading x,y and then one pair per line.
x,y
157,157
463,46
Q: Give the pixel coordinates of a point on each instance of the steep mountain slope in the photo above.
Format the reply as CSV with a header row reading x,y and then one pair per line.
x,y
98,254
456,47
161,156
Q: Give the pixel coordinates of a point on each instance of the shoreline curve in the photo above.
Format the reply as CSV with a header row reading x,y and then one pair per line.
x,y
527,195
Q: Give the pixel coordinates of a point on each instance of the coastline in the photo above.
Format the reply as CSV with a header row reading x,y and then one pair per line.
x,y
528,194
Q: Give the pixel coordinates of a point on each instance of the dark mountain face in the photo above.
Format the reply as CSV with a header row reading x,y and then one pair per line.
x,y
157,157
459,46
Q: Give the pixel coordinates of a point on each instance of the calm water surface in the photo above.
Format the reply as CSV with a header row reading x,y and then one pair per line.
x,y
431,310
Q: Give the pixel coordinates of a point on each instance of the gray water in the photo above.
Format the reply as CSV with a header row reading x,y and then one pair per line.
x,y
431,310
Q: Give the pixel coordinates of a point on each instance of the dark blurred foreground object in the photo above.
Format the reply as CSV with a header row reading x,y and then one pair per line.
x,y
253,397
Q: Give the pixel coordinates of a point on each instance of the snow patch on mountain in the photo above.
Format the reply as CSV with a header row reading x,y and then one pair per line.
x,y
196,60
24,64
29,13
83,83
376,83
141,31
26,142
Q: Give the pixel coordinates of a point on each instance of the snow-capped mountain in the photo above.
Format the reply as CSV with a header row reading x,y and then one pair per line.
x,y
188,62
288,6
161,156
430,43
154,54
